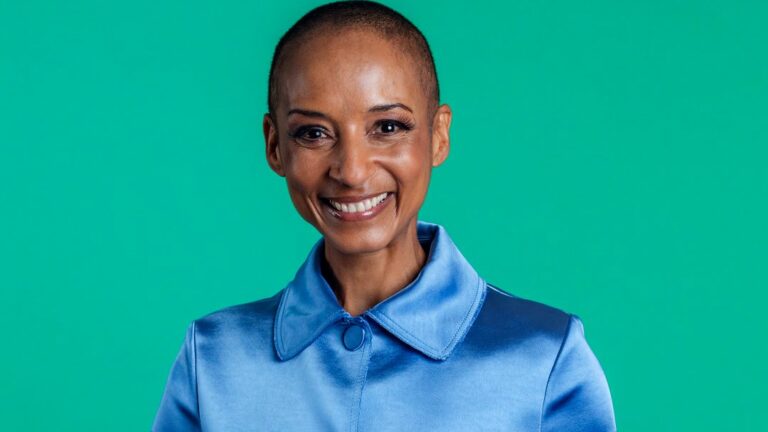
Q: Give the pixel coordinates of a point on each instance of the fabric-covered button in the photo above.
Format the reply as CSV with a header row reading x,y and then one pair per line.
x,y
354,336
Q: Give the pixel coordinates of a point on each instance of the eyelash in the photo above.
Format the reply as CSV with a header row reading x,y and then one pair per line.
x,y
301,131
403,126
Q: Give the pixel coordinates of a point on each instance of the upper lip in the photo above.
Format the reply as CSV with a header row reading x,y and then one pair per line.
x,y
352,199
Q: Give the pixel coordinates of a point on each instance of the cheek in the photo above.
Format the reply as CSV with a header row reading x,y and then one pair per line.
x,y
304,176
301,187
303,172
412,168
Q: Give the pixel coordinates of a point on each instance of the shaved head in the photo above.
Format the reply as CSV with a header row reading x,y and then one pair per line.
x,y
336,18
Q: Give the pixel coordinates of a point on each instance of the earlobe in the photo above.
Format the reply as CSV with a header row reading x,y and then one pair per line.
x,y
271,145
441,137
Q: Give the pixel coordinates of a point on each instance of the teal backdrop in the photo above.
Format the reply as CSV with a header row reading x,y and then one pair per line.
x,y
609,158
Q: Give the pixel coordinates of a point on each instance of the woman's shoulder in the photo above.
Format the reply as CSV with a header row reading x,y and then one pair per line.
x,y
512,326
246,316
505,311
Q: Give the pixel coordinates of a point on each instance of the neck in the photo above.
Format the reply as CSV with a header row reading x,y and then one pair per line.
x,y
363,280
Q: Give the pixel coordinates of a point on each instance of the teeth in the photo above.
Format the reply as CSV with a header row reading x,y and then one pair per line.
x,y
359,206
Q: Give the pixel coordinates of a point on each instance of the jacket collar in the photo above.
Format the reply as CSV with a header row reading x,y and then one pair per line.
x,y
432,314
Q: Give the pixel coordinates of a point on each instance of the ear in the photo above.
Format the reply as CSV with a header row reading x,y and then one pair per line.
x,y
273,150
441,137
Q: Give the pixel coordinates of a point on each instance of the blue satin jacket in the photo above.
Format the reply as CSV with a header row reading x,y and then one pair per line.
x,y
449,352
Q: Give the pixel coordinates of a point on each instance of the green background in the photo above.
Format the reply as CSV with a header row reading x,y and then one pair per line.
x,y
609,158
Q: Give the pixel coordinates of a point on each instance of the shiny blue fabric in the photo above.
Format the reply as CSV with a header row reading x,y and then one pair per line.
x,y
449,352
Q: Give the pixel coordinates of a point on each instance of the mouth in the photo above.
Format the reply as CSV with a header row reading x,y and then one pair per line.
x,y
357,208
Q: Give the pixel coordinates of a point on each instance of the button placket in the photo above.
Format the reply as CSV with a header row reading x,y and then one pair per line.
x,y
356,339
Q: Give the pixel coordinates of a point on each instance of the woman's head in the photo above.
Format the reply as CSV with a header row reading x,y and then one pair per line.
x,y
355,125
338,17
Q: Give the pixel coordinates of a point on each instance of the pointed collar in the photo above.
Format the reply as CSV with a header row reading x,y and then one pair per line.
x,y
432,314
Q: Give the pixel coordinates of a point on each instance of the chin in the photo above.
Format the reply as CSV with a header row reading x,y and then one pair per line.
x,y
358,242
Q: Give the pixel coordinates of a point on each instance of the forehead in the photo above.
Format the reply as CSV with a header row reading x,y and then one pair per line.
x,y
349,70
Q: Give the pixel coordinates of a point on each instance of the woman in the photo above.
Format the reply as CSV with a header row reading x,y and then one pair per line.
x,y
385,326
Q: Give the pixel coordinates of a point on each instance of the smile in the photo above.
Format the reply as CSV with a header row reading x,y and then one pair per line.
x,y
359,206
354,208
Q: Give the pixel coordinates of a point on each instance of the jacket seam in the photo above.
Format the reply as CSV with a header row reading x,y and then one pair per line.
x,y
362,376
279,344
194,368
552,369
501,291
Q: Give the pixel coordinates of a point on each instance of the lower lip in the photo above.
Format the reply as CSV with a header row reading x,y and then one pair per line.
x,y
359,216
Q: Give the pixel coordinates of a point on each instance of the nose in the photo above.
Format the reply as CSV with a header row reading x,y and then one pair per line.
x,y
351,164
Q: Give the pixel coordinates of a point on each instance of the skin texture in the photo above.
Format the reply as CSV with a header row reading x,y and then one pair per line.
x,y
352,119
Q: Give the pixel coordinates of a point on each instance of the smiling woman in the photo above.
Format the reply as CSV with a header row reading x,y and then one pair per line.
x,y
386,326
352,123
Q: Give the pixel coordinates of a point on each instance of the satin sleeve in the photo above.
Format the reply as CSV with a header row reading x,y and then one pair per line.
x,y
179,409
577,396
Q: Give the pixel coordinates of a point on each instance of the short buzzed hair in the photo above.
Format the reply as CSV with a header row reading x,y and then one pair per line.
x,y
369,15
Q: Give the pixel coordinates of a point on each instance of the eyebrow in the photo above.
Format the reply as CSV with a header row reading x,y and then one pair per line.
x,y
387,107
375,108
308,113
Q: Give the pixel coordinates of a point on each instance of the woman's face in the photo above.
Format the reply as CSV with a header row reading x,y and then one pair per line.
x,y
356,138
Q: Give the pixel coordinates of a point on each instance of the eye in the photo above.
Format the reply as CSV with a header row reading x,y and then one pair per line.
x,y
391,127
388,127
310,133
